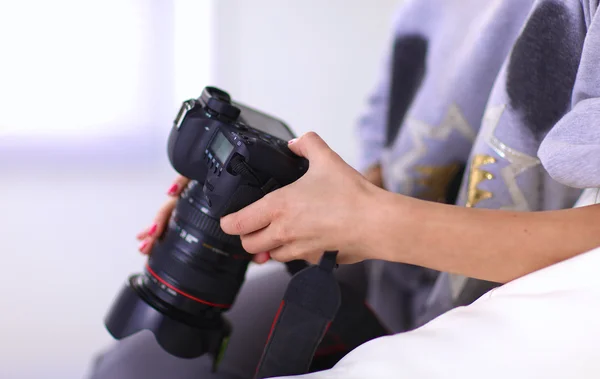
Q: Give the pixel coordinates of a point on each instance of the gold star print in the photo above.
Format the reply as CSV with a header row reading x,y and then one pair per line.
x,y
519,161
420,131
436,180
476,176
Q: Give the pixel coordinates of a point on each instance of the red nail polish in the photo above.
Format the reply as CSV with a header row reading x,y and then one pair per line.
x,y
143,245
173,189
152,229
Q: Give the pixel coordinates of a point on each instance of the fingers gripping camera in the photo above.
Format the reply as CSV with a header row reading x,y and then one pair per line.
x,y
234,155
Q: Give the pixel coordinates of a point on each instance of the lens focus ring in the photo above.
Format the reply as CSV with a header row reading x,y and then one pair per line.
x,y
190,214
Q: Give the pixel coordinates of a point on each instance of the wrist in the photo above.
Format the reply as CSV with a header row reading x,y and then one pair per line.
x,y
373,211
355,229
395,227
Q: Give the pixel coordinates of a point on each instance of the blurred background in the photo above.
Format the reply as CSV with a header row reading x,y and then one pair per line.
x,y
88,92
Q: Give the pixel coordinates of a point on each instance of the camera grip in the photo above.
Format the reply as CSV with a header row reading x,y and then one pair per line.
x,y
242,197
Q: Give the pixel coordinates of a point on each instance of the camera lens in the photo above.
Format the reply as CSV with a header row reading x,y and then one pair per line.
x,y
193,275
196,266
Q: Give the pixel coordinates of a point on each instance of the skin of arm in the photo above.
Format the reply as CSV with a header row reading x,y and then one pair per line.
x,y
333,207
493,245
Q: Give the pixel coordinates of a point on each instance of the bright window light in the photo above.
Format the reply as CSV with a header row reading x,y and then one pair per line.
x,y
86,69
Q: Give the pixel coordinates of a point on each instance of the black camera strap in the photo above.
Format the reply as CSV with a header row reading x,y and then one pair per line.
x,y
308,309
309,305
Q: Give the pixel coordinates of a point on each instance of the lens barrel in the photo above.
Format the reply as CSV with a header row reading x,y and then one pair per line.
x,y
193,275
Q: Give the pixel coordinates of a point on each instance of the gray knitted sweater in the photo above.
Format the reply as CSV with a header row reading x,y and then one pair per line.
x,y
508,89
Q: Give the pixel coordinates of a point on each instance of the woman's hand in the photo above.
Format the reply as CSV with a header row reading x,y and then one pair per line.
x,y
333,207
149,235
322,211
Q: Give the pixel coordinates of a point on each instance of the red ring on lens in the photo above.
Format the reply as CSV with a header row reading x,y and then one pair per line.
x,y
183,293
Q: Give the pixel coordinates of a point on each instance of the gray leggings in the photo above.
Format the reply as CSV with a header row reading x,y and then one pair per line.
x,y
140,357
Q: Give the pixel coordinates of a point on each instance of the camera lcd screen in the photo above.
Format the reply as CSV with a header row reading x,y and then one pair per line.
x,y
221,147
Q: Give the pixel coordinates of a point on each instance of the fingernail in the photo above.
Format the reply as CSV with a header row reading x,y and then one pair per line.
x,y
263,257
143,245
173,189
152,229
292,141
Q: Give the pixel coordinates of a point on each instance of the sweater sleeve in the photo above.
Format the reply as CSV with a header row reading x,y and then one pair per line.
x,y
372,125
394,90
571,150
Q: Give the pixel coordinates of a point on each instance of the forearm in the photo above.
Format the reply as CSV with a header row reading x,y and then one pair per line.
x,y
486,244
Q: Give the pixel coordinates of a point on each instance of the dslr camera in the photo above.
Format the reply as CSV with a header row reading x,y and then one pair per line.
x,y
234,155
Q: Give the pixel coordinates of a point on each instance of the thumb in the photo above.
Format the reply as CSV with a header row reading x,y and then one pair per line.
x,y
309,146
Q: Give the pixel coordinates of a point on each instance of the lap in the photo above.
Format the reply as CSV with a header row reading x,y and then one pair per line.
x,y
140,356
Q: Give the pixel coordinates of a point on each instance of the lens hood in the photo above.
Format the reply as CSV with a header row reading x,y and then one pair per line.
x,y
134,310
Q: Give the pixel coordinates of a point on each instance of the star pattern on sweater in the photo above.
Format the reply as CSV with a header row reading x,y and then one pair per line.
x,y
519,162
404,168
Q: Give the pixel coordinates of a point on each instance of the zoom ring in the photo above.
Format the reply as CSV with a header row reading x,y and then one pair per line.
x,y
206,224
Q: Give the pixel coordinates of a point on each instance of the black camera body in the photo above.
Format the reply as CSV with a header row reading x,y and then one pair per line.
x,y
238,163
234,155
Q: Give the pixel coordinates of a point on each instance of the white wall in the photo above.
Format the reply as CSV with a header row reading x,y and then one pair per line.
x,y
67,227
67,245
311,62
